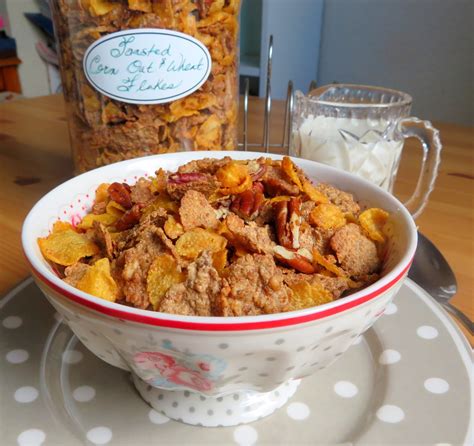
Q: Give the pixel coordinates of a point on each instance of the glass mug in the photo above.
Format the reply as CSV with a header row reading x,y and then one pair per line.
x,y
361,129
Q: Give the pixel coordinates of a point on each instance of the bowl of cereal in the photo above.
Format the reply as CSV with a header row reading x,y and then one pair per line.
x,y
218,279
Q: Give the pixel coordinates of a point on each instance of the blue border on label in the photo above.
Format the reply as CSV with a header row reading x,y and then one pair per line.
x,y
125,99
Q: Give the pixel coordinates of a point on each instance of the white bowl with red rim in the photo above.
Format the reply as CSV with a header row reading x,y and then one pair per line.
x,y
228,370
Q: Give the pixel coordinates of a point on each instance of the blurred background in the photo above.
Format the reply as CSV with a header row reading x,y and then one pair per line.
x,y
423,47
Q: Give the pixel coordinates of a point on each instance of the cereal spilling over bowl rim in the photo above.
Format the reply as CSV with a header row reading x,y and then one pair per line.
x,y
221,237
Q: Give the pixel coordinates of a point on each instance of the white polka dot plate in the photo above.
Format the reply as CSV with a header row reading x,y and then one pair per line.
x,y
405,381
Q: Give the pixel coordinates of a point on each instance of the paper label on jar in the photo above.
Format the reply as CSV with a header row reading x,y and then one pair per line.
x,y
147,66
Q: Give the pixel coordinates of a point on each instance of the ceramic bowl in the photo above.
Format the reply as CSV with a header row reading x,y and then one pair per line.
x,y
215,371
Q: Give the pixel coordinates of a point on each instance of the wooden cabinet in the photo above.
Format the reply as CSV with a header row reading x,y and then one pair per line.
x,y
9,80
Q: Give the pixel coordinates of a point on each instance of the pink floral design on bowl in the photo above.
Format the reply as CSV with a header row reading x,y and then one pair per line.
x,y
170,372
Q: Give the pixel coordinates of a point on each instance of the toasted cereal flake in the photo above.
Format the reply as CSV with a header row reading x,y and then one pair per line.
x,y
102,193
350,217
373,221
289,168
321,260
163,201
98,281
234,177
307,295
192,243
88,221
327,216
91,101
163,273
65,246
101,7
219,260
209,134
172,228
191,105
280,198
313,194
158,183
247,184
115,209
232,174
140,5
62,226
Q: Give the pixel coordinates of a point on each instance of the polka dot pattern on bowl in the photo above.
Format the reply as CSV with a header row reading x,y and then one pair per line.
x,y
17,356
436,385
12,322
31,437
389,356
347,386
346,389
83,394
390,413
99,435
298,411
427,332
26,394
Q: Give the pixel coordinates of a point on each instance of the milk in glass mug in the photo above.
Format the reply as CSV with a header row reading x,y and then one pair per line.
x,y
361,129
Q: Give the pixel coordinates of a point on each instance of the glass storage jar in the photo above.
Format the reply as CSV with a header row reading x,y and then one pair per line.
x,y
142,77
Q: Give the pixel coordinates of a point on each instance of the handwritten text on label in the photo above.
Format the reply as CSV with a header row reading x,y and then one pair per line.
x,y
147,66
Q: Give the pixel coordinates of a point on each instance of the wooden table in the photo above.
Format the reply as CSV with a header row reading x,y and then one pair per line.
x,y
35,157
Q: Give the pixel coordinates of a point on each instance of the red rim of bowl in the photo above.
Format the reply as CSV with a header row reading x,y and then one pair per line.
x,y
201,323
157,321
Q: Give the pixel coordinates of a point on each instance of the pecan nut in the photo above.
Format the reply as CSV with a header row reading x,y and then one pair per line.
x,y
248,203
259,173
294,260
129,219
188,177
288,222
120,193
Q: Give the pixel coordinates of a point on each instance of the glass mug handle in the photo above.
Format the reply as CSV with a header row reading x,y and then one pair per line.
x,y
431,145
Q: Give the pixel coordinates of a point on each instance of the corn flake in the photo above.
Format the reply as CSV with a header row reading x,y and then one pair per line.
x,y
162,201
173,229
373,221
307,295
209,135
280,198
88,221
321,260
102,193
158,183
99,282
191,105
91,101
111,113
327,216
192,243
313,193
62,226
101,7
163,273
219,260
65,246
234,177
140,5
350,217
289,168
115,209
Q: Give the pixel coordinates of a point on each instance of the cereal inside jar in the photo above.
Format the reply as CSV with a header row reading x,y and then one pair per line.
x,y
142,77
